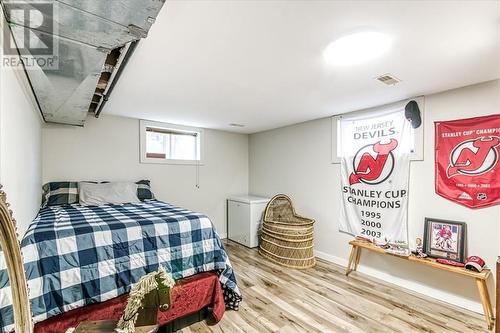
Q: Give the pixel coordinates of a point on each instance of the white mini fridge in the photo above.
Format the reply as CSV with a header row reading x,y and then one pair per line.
x,y
244,216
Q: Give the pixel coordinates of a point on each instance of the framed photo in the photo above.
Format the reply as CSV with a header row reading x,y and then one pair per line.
x,y
445,239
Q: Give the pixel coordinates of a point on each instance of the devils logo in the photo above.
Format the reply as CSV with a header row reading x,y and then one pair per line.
x,y
373,170
474,157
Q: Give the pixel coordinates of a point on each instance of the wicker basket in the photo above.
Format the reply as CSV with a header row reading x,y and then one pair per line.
x,y
284,231
287,238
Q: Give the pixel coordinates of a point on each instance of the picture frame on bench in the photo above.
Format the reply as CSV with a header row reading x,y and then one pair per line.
x,y
445,239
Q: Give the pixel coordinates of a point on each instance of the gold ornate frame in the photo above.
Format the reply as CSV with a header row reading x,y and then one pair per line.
x,y
15,267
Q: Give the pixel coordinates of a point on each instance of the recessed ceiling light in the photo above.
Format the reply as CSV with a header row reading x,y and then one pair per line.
x,y
236,125
356,48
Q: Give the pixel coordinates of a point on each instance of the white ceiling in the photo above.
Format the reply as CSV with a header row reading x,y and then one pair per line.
x,y
259,63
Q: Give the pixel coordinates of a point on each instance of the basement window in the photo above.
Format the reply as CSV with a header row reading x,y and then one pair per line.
x,y
416,141
170,144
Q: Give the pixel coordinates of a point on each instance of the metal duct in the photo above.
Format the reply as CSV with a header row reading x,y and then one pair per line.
x,y
84,33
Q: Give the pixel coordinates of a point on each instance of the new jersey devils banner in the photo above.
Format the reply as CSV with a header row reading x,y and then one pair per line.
x,y
467,168
375,170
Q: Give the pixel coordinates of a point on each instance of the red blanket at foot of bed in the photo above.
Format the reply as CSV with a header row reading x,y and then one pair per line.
x,y
188,296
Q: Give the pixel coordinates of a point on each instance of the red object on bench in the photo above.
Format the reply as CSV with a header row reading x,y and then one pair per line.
x,y
189,295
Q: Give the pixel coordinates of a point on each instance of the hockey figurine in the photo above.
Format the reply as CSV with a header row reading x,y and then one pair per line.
x,y
419,251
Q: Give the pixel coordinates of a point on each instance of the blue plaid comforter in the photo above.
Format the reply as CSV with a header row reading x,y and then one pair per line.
x,y
78,255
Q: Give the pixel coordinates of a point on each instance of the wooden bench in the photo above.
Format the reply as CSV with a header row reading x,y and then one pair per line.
x,y
480,278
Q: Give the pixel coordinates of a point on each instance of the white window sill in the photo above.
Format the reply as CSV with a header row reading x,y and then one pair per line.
x,y
146,160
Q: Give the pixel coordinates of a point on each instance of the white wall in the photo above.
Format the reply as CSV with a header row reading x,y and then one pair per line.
x,y
108,149
296,160
20,145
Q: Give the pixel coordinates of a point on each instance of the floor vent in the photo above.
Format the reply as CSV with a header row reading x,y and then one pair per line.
x,y
388,79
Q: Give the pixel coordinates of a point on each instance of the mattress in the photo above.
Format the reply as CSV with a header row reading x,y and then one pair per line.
x,y
79,255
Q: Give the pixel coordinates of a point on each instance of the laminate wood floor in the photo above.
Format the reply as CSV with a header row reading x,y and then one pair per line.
x,y
323,299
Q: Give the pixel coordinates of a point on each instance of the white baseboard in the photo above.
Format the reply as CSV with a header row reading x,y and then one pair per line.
x,y
223,236
411,285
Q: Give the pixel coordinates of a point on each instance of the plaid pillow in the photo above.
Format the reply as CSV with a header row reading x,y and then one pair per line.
x,y
144,190
59,193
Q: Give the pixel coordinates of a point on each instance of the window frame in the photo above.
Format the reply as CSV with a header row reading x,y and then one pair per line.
x,y
417,155
144,124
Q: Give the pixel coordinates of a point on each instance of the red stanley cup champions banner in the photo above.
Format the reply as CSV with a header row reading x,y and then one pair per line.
x,y
467,166
375,151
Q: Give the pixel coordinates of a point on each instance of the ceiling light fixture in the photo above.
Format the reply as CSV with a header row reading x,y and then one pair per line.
x,y
356,48
236,125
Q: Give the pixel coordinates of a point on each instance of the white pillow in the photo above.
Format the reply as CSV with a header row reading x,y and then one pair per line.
x,y
107,193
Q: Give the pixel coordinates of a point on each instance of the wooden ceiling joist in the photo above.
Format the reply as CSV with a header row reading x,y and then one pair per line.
x,y
110,66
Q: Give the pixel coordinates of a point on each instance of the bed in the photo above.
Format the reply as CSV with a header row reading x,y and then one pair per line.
x,y
76,256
